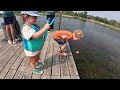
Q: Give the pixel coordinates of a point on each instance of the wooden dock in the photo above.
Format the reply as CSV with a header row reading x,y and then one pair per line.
x,y
14,64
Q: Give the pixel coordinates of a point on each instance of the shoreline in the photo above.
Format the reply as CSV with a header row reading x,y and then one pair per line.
x,y
76,17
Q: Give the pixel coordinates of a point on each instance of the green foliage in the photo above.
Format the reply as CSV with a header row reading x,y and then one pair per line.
x,y
96,18
17,12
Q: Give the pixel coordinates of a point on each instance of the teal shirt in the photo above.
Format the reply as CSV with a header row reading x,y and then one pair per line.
x,y
51,13
8,13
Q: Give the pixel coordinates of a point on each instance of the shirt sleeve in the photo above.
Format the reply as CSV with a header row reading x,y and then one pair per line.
x,y
28,32
69,36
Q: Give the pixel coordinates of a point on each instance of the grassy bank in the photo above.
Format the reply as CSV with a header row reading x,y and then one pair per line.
x,y
76,17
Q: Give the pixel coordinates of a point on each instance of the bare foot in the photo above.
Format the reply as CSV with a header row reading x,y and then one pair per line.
x,y
62,54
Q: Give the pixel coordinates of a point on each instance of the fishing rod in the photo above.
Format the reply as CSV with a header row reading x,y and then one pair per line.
x,y
60,20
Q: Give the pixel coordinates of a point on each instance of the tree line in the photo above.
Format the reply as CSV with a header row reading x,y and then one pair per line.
x,y
96,18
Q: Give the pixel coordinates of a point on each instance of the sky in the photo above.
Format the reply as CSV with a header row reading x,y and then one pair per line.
x,y
108,14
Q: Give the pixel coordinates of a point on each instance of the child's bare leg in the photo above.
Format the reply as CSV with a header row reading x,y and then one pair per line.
x,y
62,50
33,60
33,65
63,47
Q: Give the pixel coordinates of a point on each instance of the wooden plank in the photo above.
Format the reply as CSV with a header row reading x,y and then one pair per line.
x,y
64,66
28,68
72,67
27,75
18,75
48,61
21,69
3,73
45,77
18,61
2,38
55,77
1,69
75,77
2,43
13,59
11,53
1,32
10,74
65,77
5,69
4,49
56,62
23,65
5,56
71,63
44,51
1,35
36,76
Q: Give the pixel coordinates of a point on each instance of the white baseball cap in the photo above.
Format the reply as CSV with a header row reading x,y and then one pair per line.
x,y
31,13
22,12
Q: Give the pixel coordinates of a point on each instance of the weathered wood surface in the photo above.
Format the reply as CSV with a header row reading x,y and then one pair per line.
x,y
14,63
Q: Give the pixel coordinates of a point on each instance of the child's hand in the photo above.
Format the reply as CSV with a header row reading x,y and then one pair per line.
x,y
47,26
50,21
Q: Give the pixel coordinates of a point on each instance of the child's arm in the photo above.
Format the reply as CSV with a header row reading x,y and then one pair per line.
x,y
41,32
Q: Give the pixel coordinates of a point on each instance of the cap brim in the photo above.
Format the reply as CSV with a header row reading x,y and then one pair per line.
x,y
34,14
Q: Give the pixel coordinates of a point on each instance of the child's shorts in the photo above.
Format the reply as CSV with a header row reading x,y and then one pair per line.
x,y
60,41
34,59
8,20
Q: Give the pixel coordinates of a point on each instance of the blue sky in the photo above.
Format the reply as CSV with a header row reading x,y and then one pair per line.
x,y
108,14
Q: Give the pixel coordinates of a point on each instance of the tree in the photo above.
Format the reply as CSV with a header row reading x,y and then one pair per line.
x,y
84,14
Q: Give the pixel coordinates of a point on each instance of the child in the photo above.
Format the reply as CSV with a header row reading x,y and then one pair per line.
x,y
28,33
62,36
